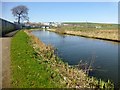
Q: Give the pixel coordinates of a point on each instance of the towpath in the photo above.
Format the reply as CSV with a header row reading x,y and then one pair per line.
x,y
5,44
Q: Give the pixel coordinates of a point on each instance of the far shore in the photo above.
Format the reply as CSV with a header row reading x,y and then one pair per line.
x,y
110,35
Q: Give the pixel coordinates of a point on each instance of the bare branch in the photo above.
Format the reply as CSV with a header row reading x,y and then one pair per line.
x,y
20,12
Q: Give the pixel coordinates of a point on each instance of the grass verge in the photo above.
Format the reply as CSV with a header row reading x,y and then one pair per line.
x,y
34,65
27,71
110,35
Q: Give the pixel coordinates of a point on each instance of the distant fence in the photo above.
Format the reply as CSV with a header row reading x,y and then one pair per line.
x,y
6,27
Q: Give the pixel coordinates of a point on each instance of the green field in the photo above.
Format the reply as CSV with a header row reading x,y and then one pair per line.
x,y
92,30
88,26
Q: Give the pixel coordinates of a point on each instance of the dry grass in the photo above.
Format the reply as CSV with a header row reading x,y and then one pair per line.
x,y
111,35
101,34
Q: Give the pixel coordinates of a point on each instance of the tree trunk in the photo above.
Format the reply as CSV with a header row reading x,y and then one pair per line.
x,y
19,19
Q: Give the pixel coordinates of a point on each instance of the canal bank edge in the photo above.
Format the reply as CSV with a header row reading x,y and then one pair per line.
x,y
73,80
83,34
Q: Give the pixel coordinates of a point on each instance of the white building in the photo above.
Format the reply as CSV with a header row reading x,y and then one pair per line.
x,y
98,27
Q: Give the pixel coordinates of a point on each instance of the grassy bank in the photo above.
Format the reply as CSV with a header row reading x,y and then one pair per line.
x,y
105,34
27,69
34,65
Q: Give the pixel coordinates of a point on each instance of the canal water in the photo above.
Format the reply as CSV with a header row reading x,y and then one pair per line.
x,y
73,49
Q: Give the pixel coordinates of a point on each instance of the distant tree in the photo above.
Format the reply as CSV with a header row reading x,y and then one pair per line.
x,y
20,12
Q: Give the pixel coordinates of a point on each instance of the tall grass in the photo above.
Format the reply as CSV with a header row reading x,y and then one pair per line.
x,y
99,33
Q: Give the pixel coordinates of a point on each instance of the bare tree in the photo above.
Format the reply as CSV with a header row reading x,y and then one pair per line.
x,y
20,12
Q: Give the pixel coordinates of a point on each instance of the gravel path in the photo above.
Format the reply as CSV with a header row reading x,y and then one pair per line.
x,y
0,63
6,62
5,53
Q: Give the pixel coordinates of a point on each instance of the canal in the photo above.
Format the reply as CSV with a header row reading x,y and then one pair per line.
x,y
73,49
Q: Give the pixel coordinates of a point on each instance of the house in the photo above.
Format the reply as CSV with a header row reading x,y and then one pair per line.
x,y
98,27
